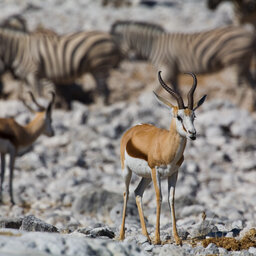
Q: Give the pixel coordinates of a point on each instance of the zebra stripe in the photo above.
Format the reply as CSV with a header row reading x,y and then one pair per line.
x,y
60,59
129,30
202,52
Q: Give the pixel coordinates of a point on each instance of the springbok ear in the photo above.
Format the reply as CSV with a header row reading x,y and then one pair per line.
x,y
200,102
164,101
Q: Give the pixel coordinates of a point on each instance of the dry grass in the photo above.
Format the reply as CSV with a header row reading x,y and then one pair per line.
x,y
232,244
8,233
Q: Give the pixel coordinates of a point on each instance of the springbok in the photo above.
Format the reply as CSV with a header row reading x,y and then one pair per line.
x,y
155,153
15,137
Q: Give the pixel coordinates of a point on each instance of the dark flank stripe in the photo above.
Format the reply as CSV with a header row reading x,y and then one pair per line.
x,y
19,57
225,44
207,42
58,63
85,59
64,51
43,44
69,46
74,51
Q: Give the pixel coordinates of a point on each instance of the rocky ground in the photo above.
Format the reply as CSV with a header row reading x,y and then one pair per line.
x,y
69,187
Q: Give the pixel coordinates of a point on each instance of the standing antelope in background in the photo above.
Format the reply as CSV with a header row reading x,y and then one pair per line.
x,y
155,153
15,137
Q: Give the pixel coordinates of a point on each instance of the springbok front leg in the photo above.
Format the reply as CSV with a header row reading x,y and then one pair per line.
x,y
171,193
138,195
127,178
157,186
2,175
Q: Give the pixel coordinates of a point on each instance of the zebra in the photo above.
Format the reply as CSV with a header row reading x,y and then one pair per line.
x,y
201,52
61,58
244,10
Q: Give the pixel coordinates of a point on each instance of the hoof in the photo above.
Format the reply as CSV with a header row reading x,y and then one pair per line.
x,y
157,241
121,237
178,242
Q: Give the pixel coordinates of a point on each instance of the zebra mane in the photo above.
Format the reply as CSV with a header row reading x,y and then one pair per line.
x,y
139,24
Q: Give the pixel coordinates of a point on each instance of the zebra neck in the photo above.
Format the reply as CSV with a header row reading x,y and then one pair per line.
x,y
142,45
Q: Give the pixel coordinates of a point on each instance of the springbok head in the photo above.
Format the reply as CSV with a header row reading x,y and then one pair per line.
x,y
184,116
43,114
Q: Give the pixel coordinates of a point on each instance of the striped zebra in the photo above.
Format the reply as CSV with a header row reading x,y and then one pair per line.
x,y
244,10
202,52
59,59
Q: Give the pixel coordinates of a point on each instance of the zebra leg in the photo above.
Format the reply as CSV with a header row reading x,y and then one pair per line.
x,y
2,174
102,87
247,86
12,153
244,74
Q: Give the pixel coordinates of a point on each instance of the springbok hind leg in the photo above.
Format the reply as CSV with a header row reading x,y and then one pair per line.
x,y
138,195
127,178
157,187
171,193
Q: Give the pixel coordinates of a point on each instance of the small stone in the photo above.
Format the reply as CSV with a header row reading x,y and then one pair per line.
x,y
222,251
13,223
212,249
252,250
237,224
230,234
31,223
141,239
148,247
102,231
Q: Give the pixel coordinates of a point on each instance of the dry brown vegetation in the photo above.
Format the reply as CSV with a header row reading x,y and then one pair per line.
x,y
232,244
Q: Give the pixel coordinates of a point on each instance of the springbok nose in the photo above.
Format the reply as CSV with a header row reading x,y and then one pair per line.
x,y
192,133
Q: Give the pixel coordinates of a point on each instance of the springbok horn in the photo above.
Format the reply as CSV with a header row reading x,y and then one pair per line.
x,y
171,91
191,91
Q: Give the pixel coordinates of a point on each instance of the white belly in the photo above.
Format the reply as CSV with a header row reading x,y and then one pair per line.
x,y
141,168
137,165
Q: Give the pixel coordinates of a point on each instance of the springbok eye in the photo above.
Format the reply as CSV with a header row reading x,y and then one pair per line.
x,y
179,118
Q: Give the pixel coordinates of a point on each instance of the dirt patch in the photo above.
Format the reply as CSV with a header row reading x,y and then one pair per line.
x,y
232,244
